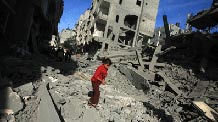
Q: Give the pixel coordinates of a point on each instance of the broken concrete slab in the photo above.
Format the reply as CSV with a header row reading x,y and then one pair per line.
x,y
90,115
200,89
137,78
46,111
58,100
7,118
26,89
72,110
169,82
10,102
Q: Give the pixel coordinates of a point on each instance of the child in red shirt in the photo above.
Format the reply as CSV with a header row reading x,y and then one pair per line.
x,y
97,79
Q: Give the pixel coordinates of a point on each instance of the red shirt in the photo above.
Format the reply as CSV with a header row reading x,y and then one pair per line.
x,y
100,73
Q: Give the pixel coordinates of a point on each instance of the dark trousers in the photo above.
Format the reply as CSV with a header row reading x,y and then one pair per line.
x,y
96,93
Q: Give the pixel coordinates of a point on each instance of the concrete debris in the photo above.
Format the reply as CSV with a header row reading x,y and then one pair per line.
x,y
7,118
155,58
200,89
171,85
210,113
90,115
25,90
46,111
29,113
10,102
136,77
71,99
205,18
72,110
170,77
53,79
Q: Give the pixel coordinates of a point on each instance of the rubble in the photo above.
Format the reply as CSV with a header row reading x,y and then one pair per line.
x,y
205,18
75,95
46,110
157,80
210,113
10,102
25,90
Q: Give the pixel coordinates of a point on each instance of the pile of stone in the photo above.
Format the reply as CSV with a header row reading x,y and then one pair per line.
x,y
128,96
116,105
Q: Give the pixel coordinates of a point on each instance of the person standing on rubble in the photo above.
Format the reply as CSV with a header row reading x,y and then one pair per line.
x,y
97,79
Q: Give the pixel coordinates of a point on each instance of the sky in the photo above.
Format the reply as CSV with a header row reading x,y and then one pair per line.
x,y
176,10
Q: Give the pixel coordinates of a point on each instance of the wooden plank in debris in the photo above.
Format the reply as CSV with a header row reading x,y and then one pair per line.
x,y
206,110
46,110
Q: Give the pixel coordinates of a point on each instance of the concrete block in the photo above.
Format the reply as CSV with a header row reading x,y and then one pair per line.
x,y
10,102
26,89
91,115
46,111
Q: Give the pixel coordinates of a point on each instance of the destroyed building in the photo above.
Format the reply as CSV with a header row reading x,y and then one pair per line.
x,y
179,73
112,24
30,31
160,35
64,35
67,39
175,82
205,19
26,27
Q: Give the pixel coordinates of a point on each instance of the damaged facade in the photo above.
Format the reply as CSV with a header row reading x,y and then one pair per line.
x,y
116,24
31,31
166,82
160,35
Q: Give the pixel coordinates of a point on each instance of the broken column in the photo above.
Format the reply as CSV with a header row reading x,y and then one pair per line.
x,y
188,26
167,30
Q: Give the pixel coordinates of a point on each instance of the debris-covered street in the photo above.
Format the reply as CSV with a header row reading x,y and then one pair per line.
x,y
157,74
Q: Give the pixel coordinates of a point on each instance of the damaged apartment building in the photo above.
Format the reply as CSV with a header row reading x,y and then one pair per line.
x,y
160,35
112,24
30,32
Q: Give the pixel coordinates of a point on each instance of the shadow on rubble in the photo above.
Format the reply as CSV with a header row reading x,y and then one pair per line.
x,y
195,53
25,74
159,113
20,71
